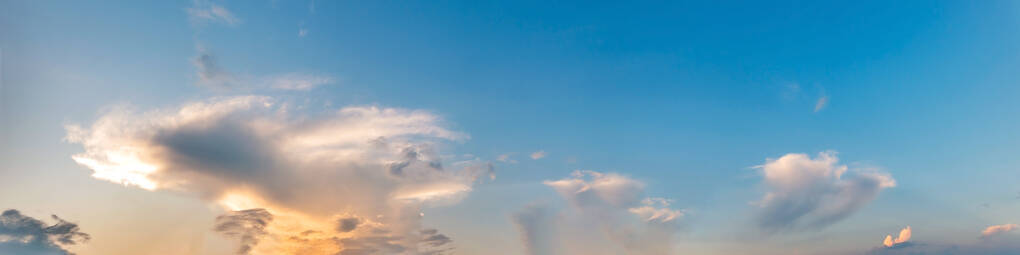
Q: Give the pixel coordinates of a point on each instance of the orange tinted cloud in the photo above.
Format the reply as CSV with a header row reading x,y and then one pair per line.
x,y
902,238
998,229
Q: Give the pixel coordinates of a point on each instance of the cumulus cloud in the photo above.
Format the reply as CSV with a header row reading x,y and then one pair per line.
x,y
608,215
996,230
381,165
20,234
202,12
538,154
812,193
248,226
902,238
211,75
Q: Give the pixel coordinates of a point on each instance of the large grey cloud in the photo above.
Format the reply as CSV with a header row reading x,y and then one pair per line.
x,y
379,165
24,235
812,193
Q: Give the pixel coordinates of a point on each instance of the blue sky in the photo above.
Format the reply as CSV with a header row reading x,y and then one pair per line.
x,y
686,98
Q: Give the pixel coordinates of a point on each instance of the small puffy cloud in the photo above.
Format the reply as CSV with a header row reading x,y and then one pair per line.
x,y
812,193
20,234
821,103
996,230
608,215
248,226
902,238
538,154
984,245
379,165
202,12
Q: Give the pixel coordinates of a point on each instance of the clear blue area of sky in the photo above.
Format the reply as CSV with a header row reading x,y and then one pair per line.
x,y
684,96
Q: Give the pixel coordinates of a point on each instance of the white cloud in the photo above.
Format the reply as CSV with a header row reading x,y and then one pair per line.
x,y
814,193
821,103
607,216
203,11
538,155
381,165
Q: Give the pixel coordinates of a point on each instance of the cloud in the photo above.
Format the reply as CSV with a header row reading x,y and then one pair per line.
x,y
535,225
302,32
381,165
821,103
506,158
984,245
20,234
248,226
347,224
211,75
902,238
996,230
202,12
806,193
608,216
298,81
538,155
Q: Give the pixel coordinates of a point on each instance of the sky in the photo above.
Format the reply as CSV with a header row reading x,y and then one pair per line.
x,y
514,127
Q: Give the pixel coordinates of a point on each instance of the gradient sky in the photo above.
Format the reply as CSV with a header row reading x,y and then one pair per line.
x,y
690,102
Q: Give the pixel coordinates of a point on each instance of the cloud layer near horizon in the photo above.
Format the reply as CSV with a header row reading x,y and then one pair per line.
x,y
380,165
608,215
813,193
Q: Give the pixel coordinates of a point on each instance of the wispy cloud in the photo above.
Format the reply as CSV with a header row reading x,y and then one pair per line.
x,y
995,230
505,157
211,75
202,12
812,193
538,155
821,103
608,216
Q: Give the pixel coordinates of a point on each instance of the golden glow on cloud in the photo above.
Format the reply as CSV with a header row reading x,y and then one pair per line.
x,y
998,229
375,166
902,238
